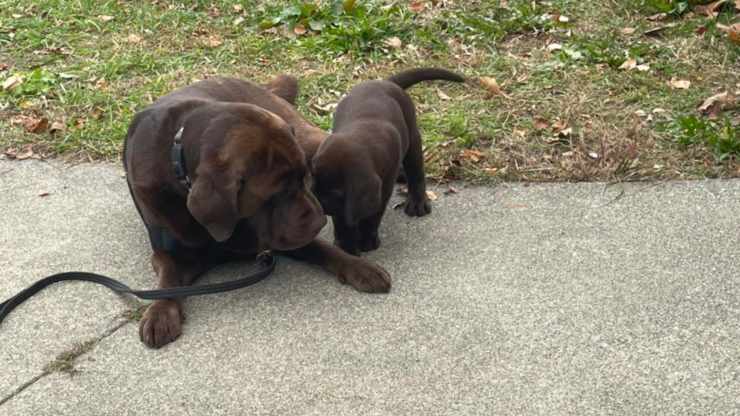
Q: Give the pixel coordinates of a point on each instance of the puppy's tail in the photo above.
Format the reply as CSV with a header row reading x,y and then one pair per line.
x,y
411,77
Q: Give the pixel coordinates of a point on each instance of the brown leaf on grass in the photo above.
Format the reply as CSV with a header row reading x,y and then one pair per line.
x,y
57,126
679,84
628,30
105,18
43,194
31,124
657,17
658,29
628,64
26,153
492,86
431,195
712,106
3,67
133,38
12,82
709,9
541,123
472,155
417,6
394,42
733,32
214,41
238,8
559,126
299,29
442,95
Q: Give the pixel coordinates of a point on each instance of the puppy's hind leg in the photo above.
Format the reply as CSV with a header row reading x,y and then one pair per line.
x,y
417,203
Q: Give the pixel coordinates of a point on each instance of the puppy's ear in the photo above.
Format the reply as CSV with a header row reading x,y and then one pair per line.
x,y
285,87
362,199
212,202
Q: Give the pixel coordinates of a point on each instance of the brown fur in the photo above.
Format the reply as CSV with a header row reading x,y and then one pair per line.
x,y
356,167
249,190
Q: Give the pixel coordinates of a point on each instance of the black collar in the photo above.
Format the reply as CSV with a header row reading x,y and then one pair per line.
x,y
177,159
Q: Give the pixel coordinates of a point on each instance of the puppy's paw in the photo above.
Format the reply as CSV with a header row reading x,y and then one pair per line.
x,y
161,323
417,207
369,242
365,276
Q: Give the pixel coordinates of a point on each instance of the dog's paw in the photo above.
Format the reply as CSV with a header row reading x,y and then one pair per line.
x,y
161,323
365,276
418,207
369,242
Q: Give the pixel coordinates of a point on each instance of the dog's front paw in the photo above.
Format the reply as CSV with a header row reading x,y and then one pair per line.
x,y
161,323
365,276
417,207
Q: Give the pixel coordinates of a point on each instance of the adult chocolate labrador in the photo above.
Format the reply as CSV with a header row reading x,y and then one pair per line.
x,y
218,172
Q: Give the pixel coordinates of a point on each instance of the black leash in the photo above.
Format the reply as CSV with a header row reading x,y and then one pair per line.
x,y
266,261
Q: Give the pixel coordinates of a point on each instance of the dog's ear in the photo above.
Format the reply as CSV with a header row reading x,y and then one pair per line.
x,y
285,87
212,202
362,199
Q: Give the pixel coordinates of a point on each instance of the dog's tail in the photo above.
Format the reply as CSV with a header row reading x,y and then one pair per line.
x,y
411,77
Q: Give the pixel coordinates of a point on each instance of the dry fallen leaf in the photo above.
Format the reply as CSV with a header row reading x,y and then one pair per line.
x,y
629,64
238,8
106,18
492,86
417,6
717,103
43,194
657,17
643,67
299,29
57,126
12,82
628,30
442,95
3,67
473,155
593,155
214,41
36,125
431,195
681,84
26,153
733,32
559,126
709,9
133,38
451,190
541,123
554,47
394,42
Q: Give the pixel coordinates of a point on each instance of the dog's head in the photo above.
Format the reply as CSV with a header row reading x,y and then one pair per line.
x,y
345,181
251,167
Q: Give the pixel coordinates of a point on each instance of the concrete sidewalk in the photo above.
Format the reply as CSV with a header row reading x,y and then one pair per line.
x,y
525,300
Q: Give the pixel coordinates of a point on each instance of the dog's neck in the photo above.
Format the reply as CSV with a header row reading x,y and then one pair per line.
x,y
178,160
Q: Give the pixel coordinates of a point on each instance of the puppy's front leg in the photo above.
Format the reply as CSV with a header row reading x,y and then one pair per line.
x,y
417,202
162,321
363,275
345,236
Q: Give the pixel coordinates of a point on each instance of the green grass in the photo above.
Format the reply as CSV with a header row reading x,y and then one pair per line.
x,y
90,65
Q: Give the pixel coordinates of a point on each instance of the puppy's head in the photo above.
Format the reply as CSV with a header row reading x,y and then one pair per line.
x,y
345,181
251,167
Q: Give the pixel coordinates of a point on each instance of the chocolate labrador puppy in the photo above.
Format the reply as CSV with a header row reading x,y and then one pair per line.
x,y
217,173
356,167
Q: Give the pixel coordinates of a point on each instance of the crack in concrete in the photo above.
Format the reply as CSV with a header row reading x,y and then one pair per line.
x,y
48,369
